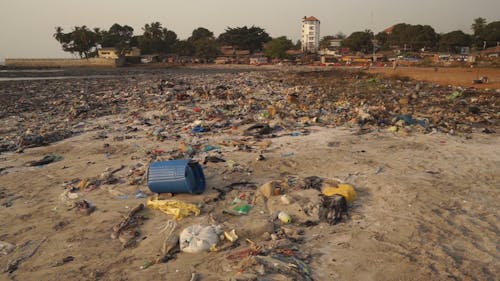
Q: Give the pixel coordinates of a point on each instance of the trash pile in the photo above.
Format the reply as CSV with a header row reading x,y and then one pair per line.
x,y
37,113
269,247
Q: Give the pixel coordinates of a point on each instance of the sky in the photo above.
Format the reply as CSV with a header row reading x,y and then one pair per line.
x,y
26,26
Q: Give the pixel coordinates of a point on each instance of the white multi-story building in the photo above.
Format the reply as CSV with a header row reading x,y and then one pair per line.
x,y
310,34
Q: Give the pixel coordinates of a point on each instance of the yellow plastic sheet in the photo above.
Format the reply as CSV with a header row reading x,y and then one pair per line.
x,y
342,189
176,208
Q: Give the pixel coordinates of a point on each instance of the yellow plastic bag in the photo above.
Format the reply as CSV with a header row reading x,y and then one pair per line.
x,y
176,208
342,189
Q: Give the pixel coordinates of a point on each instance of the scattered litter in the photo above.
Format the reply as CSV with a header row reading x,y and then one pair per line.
x,y
176,208
432,172
63,261
488,131
83,207
231,235
284,217
6,248
176,176
126,229
24,252
146,265
197,238
209,147
213,159
139,194
345,190
170,243
45,160
481,80
454,95
334,207
243,209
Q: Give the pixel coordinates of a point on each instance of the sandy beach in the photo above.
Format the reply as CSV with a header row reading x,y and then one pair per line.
x,y
427,186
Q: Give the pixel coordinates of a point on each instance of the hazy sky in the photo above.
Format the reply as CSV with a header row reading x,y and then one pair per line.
x,y
26,26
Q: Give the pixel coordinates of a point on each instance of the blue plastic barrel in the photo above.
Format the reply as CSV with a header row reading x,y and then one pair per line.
x,y
176,176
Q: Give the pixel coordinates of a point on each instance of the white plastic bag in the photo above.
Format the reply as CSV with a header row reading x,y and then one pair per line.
x,y
6,248
197,238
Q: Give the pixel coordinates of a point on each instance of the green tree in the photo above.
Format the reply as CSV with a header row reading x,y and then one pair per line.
x,y
203,43
156,39
383,40
491,34
118,37
201,33
206,48
277,47
478,26
245,38
134,41
81,40
414,37
183,48
360,41
324,43
453,41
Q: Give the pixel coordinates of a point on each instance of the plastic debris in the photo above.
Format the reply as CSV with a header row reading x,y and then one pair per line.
x,y
45,160
343,189
243,209
176,208
231,235
209,147
198,238
6,248
84,207
139,194
284,217
146,264
454,95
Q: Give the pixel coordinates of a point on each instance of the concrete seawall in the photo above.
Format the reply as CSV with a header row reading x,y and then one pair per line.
x,y
91,62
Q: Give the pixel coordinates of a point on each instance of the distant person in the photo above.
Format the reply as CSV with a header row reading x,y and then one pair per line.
x,y
394,64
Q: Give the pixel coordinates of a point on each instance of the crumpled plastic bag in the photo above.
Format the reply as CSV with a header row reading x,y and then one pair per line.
x,y
176,208
197,238
6,248
68,198
343,189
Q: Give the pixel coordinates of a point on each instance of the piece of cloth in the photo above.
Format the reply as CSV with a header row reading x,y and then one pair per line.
x,y
176,208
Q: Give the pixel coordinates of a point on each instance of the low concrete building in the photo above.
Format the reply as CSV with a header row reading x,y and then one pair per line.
x,y
493,52
222,60
258,60
112,53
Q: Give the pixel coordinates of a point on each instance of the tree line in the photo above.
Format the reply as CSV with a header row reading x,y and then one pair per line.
x,y
202,44
418,37
156,39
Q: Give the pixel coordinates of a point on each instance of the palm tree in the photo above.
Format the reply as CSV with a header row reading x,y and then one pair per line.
x,y
478,26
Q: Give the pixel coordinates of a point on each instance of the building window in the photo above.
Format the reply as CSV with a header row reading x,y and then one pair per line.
x,y
311,27
311,38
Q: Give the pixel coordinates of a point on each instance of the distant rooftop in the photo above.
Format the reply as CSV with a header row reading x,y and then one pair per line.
x,y
389,29
311,18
